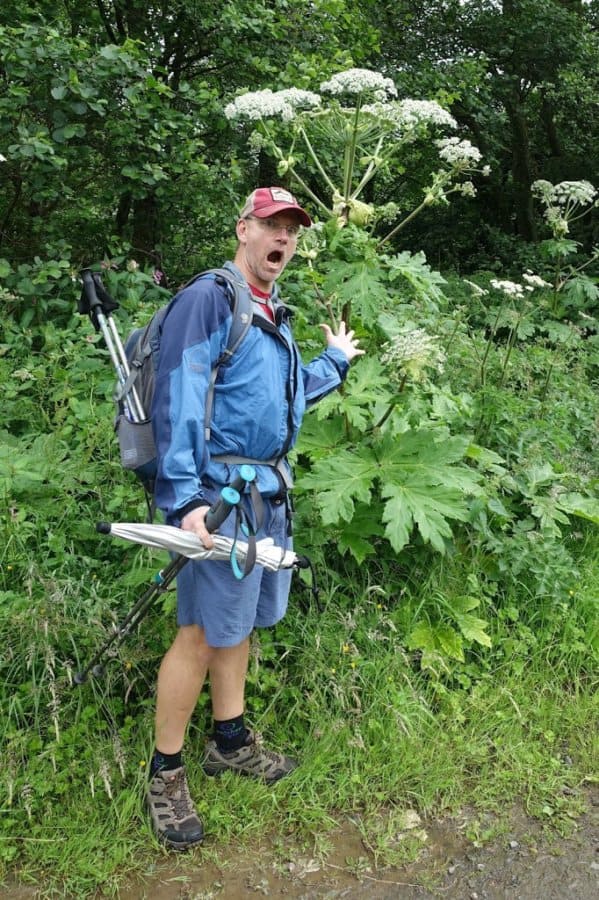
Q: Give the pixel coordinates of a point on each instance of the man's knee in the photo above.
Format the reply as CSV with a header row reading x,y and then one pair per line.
x,y
191,641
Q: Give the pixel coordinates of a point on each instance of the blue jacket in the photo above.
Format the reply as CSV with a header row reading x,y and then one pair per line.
x,y
259,398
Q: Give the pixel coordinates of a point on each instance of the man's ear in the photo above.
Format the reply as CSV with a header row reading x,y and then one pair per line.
x,y
241,230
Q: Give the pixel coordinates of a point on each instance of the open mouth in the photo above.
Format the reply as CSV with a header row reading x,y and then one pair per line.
x,y
275,257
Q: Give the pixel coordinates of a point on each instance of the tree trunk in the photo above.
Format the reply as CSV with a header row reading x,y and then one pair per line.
x,y
146,230
521,169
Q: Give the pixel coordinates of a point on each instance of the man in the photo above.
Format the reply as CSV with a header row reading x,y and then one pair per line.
x,y
259,400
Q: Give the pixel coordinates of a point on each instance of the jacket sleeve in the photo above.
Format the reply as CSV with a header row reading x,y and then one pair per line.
x,y
323,374
193,332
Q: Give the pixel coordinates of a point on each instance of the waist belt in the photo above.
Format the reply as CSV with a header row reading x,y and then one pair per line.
x,y
277,463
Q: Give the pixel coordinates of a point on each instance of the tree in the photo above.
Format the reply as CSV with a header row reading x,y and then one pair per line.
x,y
517,73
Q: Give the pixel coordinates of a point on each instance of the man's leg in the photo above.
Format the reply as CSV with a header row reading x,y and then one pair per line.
x,y
180,680
228,670
233,747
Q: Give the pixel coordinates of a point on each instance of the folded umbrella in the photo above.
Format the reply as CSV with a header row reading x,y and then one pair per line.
x,y
186,543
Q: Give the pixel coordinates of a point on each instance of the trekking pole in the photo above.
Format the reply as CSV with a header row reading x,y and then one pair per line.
x,y
98,304
230,496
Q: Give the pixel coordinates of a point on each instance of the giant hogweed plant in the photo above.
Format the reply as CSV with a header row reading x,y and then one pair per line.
x,y
379,462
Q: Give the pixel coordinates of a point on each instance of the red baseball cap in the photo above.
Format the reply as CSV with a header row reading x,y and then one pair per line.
x,y
265,202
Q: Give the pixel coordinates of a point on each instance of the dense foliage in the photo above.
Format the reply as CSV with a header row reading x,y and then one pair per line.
x,y
448,494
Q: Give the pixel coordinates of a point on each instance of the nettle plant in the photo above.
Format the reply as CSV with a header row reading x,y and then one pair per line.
x,y
379,458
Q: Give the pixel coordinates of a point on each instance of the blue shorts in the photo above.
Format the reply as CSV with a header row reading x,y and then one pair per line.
x,y
228,609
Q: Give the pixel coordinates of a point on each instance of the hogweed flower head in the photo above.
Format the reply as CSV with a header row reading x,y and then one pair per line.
x,y
563,202
267,104
459,154
535,281
359,81
565,192
509,288
411,352
409,117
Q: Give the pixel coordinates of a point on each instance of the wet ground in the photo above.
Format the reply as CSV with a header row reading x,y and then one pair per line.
x,y
472,857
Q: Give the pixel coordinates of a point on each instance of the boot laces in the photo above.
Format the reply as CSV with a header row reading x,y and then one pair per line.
x,y
178,794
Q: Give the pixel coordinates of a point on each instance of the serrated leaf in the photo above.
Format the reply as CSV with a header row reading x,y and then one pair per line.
x,y
473,629
449,641
355,543
421,506
463,604
582,289
539,475
400,521
364,391
421,637
357,283
340,479
578,505
496,506
318,437
415,269
423,488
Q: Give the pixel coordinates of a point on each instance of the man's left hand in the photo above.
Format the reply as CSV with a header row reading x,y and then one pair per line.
x,y
343,340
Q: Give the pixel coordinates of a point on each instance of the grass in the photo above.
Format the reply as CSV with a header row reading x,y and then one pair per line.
x,y
377,736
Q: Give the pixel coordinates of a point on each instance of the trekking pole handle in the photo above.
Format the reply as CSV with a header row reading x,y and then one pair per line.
x,y
230,496
90,289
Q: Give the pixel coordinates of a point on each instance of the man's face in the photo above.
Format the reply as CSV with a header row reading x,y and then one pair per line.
x,y
266,246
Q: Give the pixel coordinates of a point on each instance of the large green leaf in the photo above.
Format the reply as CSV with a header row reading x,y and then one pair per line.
x,y
365,391
357,282
473,629
341,479
415,269
426,506
426,457
354,536
424,487
577,505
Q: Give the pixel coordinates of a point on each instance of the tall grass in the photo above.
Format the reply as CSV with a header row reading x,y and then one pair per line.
x,y
374,732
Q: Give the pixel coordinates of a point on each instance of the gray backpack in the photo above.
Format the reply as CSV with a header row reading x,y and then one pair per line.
x,y
133,423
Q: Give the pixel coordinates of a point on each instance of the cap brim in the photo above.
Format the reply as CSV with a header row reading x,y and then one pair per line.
x,y
265,211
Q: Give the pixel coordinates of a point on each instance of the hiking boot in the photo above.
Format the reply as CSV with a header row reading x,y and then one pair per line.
x,y
252,759
173,814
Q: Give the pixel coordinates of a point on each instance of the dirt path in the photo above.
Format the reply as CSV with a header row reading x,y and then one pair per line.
x,y
521,863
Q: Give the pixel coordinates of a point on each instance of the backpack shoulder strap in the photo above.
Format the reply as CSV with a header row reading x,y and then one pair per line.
x,y
242,313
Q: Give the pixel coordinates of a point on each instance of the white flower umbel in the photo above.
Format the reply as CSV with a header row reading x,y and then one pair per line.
x,y
268,104
509,288
566,193
459,154
535,281
359,81
299,99
413,351
259,105
410,117
564,202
